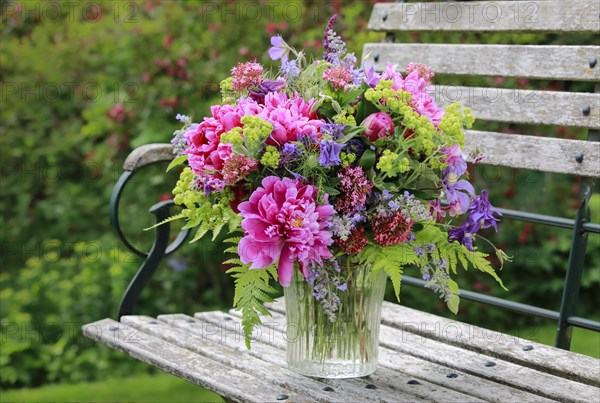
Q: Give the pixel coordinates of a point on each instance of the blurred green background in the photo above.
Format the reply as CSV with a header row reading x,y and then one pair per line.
x,y
84,82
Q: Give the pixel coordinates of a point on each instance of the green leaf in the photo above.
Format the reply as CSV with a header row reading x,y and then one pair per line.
x,y
452,303
367,160
177,161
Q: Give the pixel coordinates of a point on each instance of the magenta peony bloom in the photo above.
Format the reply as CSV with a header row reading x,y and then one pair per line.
x,y
291,118
378,125
283,222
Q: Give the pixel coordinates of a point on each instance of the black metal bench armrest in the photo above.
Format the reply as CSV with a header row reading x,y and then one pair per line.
x,y
141,157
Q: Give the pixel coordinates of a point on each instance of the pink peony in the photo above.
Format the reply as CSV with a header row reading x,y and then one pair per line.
x,y
282,221
205,152
378,125
291,118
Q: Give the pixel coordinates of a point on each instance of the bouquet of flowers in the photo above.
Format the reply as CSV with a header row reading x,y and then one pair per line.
x,y
325,162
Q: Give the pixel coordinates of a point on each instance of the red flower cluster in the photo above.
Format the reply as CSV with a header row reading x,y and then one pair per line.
x,y
355,243
391,230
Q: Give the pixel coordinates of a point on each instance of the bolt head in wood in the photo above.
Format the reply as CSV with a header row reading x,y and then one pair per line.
x,y
370,386
586,110
376,58
490,364
579,157
282,397
384,17
528,347
593,63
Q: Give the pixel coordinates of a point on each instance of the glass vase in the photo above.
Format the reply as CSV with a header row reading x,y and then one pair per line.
x,y
343,346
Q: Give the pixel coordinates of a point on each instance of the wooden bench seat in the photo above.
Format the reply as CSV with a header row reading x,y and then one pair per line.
x,y
422,357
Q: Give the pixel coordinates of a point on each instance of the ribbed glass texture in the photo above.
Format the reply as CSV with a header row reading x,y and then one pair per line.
x,y
345,348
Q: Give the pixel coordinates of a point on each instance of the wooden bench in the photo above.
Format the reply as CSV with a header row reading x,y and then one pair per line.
x,y
422,356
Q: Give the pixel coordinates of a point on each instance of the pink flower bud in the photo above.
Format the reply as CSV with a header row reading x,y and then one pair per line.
x,y
378,125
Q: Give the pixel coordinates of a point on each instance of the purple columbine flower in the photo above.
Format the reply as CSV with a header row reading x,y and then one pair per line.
x,y
464,234
330,153
342,287
482,212
279,49
459,201
335,130
455,159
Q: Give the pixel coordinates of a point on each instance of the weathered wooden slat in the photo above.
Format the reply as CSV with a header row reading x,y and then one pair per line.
x,y
415,367
524,106
530,61
213,348
148,154
185,364
465,360
548,359
393,382
536,153
485,16
270,346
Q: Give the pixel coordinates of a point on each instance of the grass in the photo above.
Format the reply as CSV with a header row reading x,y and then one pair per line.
x,y
143,388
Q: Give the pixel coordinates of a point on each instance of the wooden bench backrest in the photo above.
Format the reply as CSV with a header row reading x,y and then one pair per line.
x,y
552,62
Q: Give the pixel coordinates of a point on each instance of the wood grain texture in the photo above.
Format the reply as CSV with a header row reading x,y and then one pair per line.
x,y
535,153
552,360
270,346
463,359
485,16
192,367
418,368
148,154
394,383
199,338
524,106
530,61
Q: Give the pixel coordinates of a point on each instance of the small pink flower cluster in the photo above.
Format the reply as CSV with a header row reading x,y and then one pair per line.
x,y
355,187
246,75
237,167
339,77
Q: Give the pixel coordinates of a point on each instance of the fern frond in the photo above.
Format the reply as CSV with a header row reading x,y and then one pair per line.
x,y
166,220
479,260
252,291
391,259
